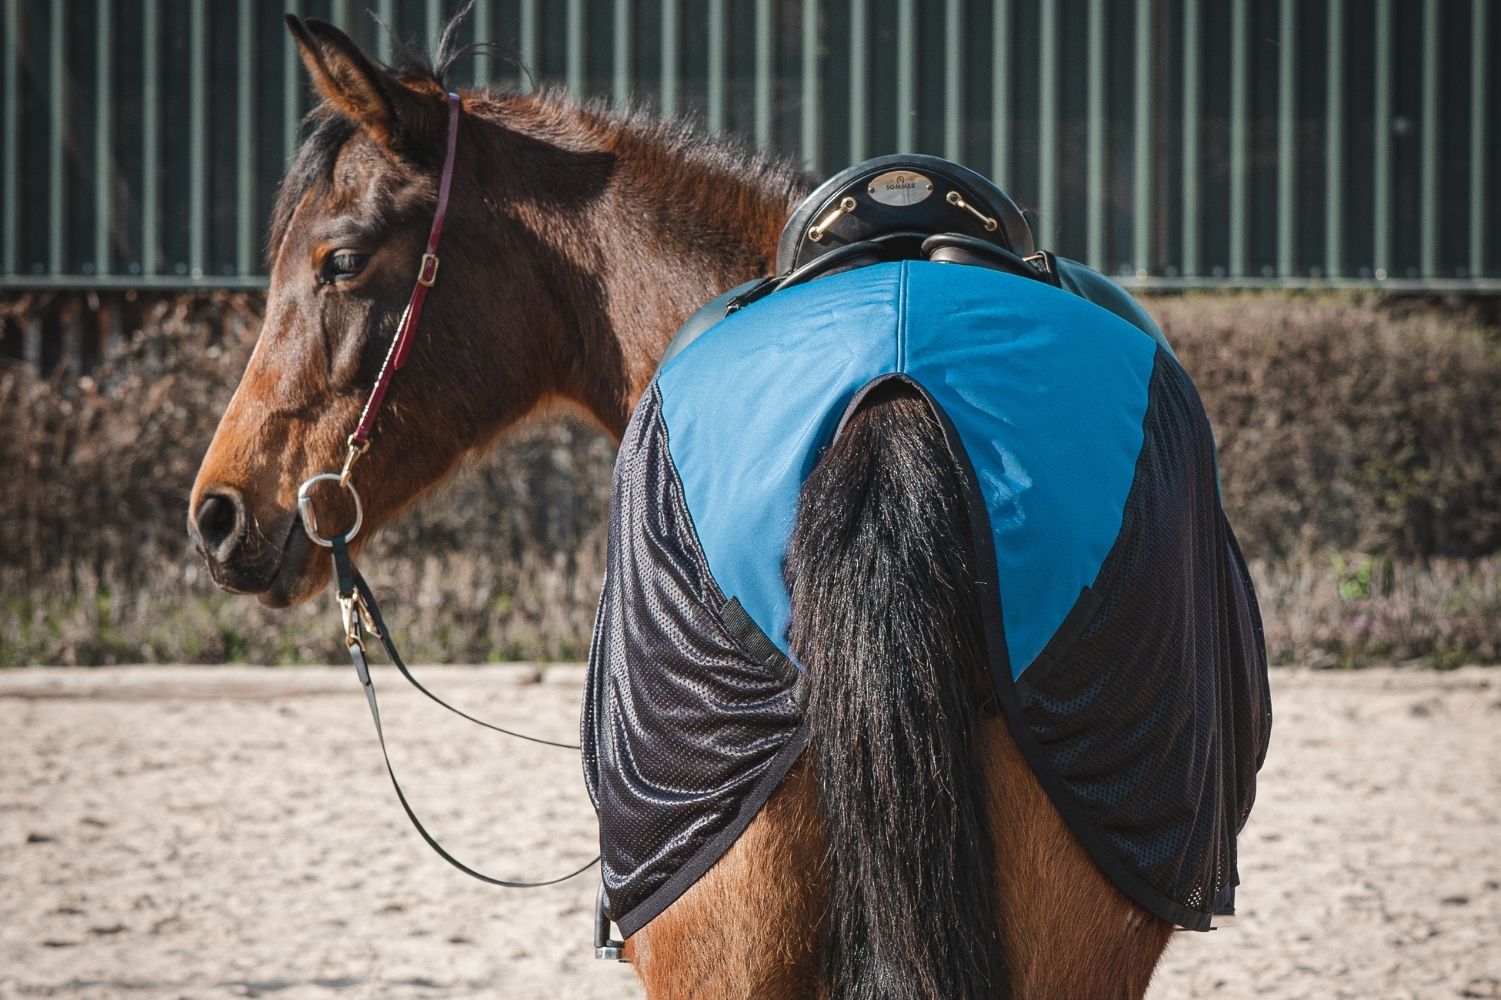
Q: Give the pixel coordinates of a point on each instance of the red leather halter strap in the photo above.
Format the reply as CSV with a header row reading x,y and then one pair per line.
x,y
427,275
356,603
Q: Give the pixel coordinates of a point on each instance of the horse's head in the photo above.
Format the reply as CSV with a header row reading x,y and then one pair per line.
x,y
344,249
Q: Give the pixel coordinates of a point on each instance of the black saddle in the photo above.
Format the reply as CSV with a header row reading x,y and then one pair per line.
x,y
904,206
898,201
907,206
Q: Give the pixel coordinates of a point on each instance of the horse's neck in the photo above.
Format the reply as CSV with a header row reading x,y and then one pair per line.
x,y
678,233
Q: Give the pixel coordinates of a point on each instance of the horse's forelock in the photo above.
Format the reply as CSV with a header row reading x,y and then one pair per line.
x,y
314,165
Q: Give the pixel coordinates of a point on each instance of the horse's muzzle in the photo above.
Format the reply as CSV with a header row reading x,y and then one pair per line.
x,y
239,555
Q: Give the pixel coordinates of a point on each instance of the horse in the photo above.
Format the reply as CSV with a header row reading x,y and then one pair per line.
x,y
578,239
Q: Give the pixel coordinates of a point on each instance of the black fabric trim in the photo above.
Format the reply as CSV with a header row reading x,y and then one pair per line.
x,y
1244,568
755,643
706,856
1089,835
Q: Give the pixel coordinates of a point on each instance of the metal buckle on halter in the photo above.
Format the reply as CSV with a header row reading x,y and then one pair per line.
x,y
427,274
356,449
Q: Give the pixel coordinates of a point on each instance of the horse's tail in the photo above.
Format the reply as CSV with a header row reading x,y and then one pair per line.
x,y
887,622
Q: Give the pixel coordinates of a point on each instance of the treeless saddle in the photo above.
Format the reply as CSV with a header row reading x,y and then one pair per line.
x,y
1122,629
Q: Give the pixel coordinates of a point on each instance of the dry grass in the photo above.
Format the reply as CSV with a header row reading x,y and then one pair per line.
x,y
1360,449
1332,610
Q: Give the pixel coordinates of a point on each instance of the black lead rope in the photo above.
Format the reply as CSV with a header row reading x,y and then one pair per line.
x,y
351,584
389,646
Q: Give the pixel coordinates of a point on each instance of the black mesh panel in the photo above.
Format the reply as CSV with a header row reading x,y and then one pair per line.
x,y
1155,713
688,724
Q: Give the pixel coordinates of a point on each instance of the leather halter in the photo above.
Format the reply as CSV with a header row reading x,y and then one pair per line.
x,y
427,276
358,608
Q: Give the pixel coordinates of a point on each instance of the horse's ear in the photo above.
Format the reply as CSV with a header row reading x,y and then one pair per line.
x,y
394,114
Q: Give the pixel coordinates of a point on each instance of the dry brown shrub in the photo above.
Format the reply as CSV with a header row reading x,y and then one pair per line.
x,y
1360,450
1349,422
95,567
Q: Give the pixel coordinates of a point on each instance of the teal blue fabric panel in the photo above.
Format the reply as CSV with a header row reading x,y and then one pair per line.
x,y
748,406
1047,393
1045,390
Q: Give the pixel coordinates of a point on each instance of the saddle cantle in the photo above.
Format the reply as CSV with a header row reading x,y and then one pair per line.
x,y
1123,633
901,200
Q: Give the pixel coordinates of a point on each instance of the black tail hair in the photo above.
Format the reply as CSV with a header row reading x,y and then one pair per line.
x,y
886,618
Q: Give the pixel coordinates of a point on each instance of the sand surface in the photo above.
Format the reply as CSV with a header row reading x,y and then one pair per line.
x,y
213,832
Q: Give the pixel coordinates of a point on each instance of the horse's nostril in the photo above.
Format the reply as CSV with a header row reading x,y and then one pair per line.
x,y
220,519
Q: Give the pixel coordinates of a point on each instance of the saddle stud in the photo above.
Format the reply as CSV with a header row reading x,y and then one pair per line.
x,y
957,200
846,206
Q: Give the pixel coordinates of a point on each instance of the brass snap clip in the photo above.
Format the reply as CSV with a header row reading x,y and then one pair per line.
x,y
356,449
357,620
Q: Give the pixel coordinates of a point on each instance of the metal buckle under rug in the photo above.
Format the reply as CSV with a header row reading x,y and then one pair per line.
x,y
358,609
606,948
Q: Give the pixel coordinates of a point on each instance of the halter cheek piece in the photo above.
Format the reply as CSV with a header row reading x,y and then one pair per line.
x,y
358,609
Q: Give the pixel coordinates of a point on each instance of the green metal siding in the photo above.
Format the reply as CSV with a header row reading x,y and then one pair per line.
x,y
1173,143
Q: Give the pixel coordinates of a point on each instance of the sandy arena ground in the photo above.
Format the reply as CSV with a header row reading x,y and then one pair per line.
x,y
223,832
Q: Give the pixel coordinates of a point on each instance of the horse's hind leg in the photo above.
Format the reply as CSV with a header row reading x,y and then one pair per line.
x,y
752,926
1067,930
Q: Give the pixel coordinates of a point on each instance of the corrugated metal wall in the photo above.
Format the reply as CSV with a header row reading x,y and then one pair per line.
x,y
1170,142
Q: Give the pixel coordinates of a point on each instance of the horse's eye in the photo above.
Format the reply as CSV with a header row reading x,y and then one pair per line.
x,y
342,264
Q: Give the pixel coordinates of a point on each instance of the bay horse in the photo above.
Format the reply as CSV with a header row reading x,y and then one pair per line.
x,y
578,239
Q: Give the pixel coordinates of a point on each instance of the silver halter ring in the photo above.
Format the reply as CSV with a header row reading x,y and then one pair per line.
x,y
310,519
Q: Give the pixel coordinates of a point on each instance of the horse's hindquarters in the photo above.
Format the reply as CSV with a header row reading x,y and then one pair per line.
x,y
753,925
967,545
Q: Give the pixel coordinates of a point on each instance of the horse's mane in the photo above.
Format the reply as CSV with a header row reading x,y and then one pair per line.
x,y
555,112
684,140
